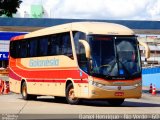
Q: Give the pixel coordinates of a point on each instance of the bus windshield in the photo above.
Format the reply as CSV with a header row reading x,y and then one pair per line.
x,y
115,57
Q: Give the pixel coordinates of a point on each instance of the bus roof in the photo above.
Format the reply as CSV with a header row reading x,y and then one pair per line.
x,y
87,27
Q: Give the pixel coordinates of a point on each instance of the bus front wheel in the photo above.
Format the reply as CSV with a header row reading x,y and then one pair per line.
x,y
115,102
24,93
70,95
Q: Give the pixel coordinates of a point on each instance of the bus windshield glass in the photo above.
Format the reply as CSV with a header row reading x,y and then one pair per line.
x,y
114,57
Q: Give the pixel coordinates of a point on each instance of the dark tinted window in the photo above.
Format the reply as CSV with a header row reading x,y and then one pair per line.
x,y
33,48
66,45
23,48
77,37
82,60
13,49
58,44
53,48
43,46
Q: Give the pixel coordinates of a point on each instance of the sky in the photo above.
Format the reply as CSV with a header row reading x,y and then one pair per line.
x,y
97,9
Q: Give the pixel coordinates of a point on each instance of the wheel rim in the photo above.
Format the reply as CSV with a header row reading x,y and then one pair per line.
x,y
71,94
24,91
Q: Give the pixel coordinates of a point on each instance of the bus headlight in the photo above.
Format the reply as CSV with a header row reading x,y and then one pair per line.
x,y
138,84
96,84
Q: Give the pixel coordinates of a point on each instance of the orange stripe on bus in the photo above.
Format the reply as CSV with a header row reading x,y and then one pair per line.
x,y
17,37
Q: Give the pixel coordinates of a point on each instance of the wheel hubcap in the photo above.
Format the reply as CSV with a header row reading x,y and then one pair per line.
x,y
24,91
71,94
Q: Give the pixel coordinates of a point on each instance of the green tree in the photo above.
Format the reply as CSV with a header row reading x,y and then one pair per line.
x,y
8,7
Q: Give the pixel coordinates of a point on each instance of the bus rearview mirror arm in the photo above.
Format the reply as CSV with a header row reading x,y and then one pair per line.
x,y
87,48
147,49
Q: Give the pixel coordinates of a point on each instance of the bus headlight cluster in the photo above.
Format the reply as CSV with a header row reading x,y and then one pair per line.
x,y
138,84
96,84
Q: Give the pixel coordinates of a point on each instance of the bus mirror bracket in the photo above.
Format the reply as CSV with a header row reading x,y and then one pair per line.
x,y
147,49
87,48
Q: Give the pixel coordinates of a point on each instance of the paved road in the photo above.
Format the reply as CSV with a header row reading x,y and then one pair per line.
x,y
13,104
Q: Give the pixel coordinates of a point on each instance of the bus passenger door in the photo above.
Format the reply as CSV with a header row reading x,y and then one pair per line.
x,y
83,61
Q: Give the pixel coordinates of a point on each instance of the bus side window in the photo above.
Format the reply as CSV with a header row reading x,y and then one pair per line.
x,y
60,44
77,37
33,48
53,48
67,47
17,49
82,60
80,50
43,46
23,49
13,49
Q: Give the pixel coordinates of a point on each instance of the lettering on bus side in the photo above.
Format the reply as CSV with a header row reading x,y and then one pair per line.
x,y
43,63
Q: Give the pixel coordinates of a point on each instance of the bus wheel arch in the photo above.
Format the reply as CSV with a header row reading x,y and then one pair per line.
x,y
22,81
24,92
69,92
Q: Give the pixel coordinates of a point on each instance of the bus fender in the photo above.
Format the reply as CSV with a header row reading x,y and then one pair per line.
x,y
70,80
23,80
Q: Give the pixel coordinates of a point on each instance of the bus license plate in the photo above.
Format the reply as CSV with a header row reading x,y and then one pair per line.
x,y
119,93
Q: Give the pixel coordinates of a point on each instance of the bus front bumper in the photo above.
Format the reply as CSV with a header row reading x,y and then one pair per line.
x,y
106,92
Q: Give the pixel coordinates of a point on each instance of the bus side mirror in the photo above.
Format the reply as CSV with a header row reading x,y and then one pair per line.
x,y
147,50
87,48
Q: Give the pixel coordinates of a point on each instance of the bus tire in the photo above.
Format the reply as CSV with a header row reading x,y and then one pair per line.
x,y
70,95
33,97
24,93
115,102
60,99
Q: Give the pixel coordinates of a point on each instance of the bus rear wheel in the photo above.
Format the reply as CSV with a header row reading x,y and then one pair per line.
x,y
115,102
70,95
24,93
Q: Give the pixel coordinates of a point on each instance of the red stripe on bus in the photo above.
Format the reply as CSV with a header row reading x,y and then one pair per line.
x,y
47,81
47,76
80,81
50,74
14,76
